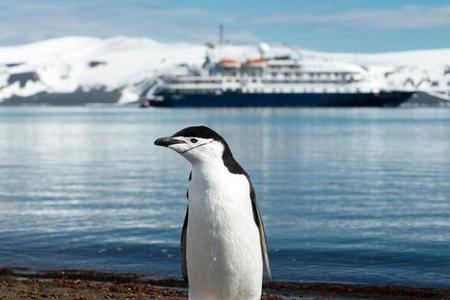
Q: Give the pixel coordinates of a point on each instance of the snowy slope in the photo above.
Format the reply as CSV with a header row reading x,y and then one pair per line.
x,y
70,64
120,68
423,70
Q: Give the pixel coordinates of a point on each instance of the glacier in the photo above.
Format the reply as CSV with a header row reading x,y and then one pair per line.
x,y
81,70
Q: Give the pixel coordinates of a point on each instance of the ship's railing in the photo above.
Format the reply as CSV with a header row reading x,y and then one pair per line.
x,y
218,77
281,90
259,81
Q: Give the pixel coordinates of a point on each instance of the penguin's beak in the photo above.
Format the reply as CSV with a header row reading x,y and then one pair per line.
x,y
167,141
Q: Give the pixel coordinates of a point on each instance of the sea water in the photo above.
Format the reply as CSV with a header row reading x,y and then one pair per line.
x,y
346,195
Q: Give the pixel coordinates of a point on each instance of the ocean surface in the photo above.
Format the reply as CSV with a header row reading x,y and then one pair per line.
x,y
347,195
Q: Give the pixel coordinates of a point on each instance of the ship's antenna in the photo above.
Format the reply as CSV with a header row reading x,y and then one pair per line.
x,y
221,34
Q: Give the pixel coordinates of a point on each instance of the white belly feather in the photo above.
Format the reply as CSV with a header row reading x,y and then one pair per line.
x,y
223,248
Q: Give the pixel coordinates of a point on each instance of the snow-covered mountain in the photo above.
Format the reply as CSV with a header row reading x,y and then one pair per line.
x,y
86,69
74,70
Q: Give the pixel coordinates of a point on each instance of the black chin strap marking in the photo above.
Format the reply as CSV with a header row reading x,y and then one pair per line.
x,y
197,146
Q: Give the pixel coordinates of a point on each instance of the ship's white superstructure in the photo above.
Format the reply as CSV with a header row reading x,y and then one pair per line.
x,y
271,75
278,74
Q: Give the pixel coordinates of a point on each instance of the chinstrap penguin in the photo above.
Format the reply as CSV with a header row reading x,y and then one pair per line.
x,y
223,244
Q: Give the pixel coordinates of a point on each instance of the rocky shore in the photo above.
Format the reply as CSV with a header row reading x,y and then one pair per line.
x,y
87,285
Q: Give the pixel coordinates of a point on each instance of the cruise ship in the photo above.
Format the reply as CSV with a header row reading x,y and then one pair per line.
x,y
290,80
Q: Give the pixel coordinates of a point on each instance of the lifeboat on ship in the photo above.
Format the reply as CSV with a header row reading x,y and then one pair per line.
x,y
229,63
256,62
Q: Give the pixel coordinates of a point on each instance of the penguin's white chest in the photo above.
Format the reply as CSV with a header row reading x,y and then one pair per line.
x,y
223,247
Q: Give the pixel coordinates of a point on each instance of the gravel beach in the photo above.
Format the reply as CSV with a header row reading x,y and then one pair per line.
x,y
87,285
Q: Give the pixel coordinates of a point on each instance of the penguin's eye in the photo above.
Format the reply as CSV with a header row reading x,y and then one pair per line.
x,y
194,141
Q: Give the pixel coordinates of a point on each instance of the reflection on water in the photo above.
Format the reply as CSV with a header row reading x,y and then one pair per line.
x,y
347,195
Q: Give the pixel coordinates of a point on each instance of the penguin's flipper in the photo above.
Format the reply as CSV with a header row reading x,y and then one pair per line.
x,y
262,234
183,247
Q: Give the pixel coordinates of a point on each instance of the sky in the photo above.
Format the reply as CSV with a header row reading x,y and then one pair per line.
x,y
332,25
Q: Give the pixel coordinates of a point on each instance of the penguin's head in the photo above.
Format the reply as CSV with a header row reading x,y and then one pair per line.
x,y
196,143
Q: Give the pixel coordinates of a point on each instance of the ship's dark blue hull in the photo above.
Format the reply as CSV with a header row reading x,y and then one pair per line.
x,y
236,99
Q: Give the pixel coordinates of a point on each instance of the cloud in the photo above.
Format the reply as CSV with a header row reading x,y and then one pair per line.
x,y
28,20
401,18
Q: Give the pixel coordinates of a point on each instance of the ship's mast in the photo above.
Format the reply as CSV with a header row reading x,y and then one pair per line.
x,y
220,34
220,40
